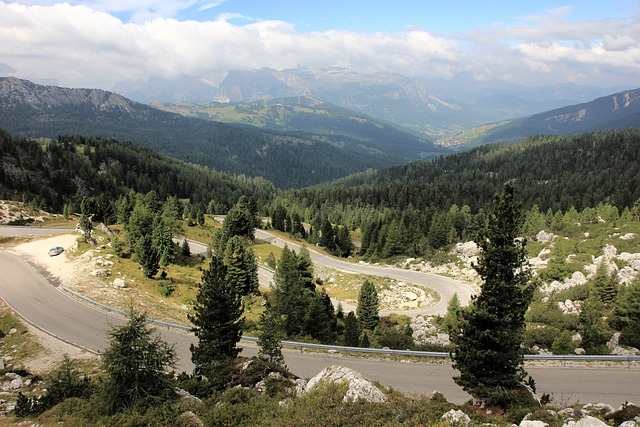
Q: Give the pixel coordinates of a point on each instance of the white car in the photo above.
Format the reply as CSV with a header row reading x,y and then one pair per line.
x,y
56,250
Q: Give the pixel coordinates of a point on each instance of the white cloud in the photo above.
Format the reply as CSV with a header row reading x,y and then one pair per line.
x,y
88,46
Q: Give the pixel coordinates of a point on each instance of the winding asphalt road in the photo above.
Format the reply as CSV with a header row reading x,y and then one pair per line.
x,y
44,305
444,286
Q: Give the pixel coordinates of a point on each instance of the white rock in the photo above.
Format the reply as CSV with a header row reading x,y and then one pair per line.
x,y
587,421
101,272
545,237
359,387
466,249
119,283
579,351
629,424
597,409
629,236
456,418
533,423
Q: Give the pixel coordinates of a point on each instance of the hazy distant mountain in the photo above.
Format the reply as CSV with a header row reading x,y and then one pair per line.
x,y
31,110
310,117
432,107
617,111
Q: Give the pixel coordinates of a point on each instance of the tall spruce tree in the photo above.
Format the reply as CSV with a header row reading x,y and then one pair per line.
x,y
242,267
351,330
368,306
290,296
217,323
488,351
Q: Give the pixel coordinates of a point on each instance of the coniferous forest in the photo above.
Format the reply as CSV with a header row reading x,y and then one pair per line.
x,y
552,183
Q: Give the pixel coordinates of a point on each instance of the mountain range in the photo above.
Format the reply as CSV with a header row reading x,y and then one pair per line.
x,y
617,111
434,108
288,160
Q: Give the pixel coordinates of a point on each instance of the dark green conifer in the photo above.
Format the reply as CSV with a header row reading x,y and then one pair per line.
x,y
217,323
368,306
488,345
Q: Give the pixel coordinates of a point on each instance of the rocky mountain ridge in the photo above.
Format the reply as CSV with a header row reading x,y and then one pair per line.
x,y
433,107
616,111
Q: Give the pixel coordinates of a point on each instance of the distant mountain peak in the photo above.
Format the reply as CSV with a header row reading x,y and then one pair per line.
x,y
14,90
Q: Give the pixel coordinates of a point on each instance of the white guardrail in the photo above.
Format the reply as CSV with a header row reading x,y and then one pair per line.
x,y
387,351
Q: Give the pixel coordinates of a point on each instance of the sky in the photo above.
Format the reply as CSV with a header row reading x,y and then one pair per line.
x,y
99,43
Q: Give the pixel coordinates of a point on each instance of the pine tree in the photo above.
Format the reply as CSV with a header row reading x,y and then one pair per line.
x,y
368,306
217,323
86,227
351,330
185,249
305,268
270,336
241,219
163,242
592,326
488,350
136,364
605,285
343,242
627,311
242,267
147,255
290,297
451,320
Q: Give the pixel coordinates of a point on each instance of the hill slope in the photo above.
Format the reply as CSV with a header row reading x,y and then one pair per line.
x,y
617,111
551,171
310,117
31,110
53,173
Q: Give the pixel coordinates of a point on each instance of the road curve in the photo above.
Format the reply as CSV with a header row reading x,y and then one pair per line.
x,y
43,305
444,286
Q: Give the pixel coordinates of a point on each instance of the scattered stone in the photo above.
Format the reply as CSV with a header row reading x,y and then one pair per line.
x,y
456,418
628,236
532,423
614,345
597,409
101,272
569,306
580,351
545,237
576,279
359,387
16,382
587,421
120,283
466,250
12,331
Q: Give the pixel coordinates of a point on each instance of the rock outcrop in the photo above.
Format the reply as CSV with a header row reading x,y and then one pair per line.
x,y
359,388
456,418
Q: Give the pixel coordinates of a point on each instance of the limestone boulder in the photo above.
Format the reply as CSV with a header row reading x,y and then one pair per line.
x,y
533,423
456,418
587,421
359,388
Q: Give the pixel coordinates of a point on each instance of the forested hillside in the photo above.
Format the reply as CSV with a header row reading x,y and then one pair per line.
x,y
313,118
31,111
410,209
51,174
617,111
551,171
